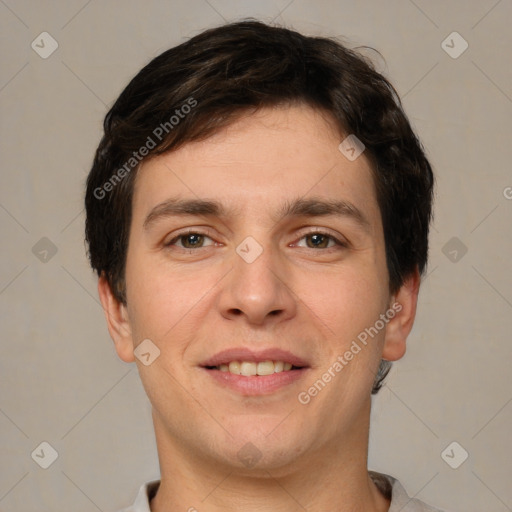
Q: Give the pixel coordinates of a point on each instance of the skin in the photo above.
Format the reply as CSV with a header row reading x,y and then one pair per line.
x,y
312,301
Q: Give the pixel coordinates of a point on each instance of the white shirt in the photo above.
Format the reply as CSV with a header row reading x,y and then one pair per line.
x,y
389,486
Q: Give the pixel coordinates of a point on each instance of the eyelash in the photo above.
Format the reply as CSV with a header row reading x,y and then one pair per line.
x,y
337,242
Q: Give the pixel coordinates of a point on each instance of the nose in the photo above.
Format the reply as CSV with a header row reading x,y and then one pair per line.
x,y
258,292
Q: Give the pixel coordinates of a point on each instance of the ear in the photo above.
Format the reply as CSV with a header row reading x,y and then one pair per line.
x,y
403,303
117,321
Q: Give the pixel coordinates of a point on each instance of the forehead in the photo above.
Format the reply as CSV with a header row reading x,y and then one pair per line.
x,y
260,162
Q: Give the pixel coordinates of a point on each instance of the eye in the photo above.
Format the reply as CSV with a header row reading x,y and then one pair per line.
x,y
190,240
320,240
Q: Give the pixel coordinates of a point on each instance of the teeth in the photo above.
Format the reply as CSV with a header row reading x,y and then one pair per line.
x,y
265,368
278,366
250,368
234,367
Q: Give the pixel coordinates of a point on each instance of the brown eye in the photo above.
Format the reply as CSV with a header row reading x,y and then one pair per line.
x,y
318,240
190,240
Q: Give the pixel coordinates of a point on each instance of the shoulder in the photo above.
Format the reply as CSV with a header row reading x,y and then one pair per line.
x,y
400,500
388,485
146,492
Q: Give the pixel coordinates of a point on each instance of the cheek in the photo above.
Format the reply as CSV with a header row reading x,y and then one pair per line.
x,y
164,301
345,302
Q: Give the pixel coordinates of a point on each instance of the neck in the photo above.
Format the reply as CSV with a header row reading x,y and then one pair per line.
x,y
334,478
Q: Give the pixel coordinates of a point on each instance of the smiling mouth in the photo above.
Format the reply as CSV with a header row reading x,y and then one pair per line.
x,y
251,368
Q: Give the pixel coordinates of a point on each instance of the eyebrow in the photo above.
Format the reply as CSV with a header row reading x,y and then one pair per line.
x,y
310,207
175,207
315,207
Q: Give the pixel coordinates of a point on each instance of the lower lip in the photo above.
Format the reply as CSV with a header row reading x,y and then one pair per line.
x,y
256,384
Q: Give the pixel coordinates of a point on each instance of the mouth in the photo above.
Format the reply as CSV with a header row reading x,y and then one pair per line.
x,y
251,368
250,373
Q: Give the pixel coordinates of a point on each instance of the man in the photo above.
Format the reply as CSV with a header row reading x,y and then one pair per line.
x,y
258,214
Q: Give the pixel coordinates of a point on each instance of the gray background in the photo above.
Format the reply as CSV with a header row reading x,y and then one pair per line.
x,y
61,381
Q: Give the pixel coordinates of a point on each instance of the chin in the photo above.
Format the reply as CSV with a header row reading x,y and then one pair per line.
x,y
264,444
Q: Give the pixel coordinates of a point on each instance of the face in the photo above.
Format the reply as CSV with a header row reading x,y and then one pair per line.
x,y
258,249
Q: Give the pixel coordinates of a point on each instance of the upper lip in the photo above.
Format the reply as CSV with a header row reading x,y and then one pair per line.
x,y
244,354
